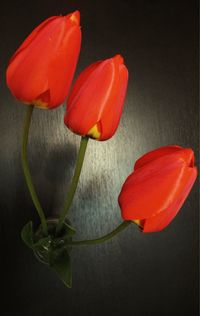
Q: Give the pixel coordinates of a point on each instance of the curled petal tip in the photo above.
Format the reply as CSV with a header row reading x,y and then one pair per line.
x,y
75,17
188,155
119,58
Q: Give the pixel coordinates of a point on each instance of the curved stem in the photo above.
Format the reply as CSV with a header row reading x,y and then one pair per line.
x,y
74,183
26,170
102,239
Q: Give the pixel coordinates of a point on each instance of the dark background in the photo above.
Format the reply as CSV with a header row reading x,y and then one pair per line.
x,y
135,274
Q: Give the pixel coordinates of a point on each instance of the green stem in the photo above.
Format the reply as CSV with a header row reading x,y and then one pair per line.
x,y
102,239
26,170
74,183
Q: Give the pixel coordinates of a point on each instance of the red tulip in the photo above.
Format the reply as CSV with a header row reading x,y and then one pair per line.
x,y
96,101
41,70
161,181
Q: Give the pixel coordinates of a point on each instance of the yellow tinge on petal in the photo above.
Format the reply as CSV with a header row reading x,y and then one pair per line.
x,y
94,132
38,103
75,17
138,222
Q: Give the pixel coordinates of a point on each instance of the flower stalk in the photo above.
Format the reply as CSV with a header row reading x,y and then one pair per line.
x,y
102,239
74,183
26,169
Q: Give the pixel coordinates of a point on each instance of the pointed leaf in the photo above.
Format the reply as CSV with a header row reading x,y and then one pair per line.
x,y
61,263
27,234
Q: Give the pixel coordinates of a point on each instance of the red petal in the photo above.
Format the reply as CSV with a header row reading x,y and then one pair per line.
x,y
62,66
31,36
27,73
161,220
46,61
154,154
153,188
114,105
85,110
79,86
97,98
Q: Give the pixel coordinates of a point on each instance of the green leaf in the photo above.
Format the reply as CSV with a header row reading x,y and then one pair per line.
x,y
42,249
61,264
43,243
27,234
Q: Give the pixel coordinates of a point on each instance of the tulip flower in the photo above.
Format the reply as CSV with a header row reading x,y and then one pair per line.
x,y
96,101
41,70
157,188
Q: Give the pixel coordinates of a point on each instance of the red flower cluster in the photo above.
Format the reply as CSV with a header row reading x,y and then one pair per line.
x,y
40,73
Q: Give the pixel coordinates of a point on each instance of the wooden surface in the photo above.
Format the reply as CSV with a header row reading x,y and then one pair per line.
x,y
135,274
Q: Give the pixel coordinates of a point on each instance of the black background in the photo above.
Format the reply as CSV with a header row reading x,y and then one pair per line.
x,y
135,274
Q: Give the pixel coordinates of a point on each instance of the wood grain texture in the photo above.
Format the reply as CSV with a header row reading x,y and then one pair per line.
x,y
135,274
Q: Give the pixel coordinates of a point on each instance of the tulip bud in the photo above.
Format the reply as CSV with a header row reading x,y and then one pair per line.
x,y
157,188
41,70
96,100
